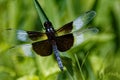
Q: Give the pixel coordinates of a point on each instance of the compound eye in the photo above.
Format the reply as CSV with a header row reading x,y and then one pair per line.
x,y
47,23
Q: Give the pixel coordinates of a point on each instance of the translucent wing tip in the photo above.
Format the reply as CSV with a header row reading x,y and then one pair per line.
x,y
94,30
92,13
83,20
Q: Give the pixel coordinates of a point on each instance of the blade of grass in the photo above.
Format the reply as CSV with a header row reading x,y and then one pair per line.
x,y
83,78
40,11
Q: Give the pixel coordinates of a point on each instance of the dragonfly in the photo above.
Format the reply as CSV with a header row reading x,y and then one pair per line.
x,y
61,40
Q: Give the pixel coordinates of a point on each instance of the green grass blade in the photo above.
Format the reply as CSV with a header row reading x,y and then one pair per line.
x,y
40,11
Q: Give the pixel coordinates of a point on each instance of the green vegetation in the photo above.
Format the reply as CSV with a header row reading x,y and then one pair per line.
x,y
98,58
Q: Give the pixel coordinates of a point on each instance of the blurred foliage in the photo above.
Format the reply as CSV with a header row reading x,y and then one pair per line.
x,y
97,58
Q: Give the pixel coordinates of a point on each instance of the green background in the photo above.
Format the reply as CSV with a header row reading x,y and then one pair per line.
x,y
98,58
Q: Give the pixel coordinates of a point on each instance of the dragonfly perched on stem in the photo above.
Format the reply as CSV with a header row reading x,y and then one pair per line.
x,y
63,39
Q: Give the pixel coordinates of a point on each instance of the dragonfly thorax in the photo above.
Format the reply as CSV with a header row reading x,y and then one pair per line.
x,y
50,32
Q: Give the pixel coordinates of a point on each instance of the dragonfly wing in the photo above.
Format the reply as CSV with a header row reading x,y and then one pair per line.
x,y
26,36
64,42
77,24
34,35
16,35
81,36
83,20
20,37
67,28
42,48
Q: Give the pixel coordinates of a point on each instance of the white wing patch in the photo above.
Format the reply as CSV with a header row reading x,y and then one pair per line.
x,y
22,35
77,24
27,49
78,39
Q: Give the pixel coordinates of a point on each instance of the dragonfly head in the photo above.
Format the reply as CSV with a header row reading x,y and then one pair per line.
x,y
47,24
49,27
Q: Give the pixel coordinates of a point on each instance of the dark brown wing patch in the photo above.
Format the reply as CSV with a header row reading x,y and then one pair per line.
x,y
64,42
34,35
67,28
42,48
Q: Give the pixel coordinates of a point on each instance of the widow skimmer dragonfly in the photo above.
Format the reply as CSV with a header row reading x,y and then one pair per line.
x,y
62,39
